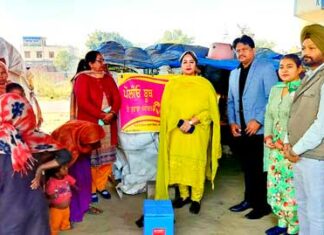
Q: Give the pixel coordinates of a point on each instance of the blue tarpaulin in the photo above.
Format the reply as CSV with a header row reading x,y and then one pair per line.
x,y
161,54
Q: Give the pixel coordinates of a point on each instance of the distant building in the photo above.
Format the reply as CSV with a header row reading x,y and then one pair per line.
x,y
37,53
310,10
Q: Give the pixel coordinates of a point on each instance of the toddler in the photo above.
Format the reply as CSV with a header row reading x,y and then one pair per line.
x,y
58,190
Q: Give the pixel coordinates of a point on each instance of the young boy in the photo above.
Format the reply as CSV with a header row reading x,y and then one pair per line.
x,y
15,88
58,189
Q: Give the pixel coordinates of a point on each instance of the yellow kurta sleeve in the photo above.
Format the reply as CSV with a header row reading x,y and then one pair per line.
x,y
203,116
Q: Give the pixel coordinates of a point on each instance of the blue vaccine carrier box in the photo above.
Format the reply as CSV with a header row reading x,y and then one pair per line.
x,y
158,217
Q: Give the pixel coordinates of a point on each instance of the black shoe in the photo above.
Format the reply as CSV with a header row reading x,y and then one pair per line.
x,y
244,205
276,230
105,194
179,202
140,222
94,198
257,214
194,207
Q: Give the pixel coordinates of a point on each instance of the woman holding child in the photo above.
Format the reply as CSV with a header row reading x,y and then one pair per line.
x,y
80,138
23,206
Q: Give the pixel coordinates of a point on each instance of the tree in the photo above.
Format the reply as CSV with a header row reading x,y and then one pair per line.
x,y
259,43
65,61
263,43
244,29
98,37
176,36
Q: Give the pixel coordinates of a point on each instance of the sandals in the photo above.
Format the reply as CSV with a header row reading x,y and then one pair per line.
x,y
94,211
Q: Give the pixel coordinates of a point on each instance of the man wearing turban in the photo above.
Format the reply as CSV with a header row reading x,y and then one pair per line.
x,y
306,134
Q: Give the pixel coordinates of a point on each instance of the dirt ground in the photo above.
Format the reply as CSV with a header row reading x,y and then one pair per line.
x,y
214,219
120,214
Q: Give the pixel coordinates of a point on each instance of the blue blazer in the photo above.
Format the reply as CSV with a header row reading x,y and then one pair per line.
x,y
261,77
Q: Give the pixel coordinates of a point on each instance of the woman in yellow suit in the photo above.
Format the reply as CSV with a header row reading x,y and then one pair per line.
x,y
189,149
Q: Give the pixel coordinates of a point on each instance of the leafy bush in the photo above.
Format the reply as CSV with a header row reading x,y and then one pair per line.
x,y
51,85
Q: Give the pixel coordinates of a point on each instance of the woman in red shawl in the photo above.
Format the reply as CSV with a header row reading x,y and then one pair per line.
x,y
80,138
97,100
23,210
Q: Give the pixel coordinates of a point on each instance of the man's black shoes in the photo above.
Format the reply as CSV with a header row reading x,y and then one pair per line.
x,y
244,205
257,214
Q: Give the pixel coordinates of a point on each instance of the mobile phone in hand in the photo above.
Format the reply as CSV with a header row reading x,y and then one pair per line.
x,y
106,110
180,123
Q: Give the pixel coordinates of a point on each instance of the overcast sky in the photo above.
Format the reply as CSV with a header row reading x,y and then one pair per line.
x,y
68,22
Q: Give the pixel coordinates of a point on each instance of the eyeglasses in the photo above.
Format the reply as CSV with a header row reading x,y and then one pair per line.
x,y
101,61
242,50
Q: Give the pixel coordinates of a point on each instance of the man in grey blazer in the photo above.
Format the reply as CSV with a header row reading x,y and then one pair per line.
x,y
249,88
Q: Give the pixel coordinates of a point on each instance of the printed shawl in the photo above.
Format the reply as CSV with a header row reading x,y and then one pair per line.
x,y
76,135
18,137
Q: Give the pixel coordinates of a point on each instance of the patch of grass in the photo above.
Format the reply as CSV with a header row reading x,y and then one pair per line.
x,y
53,120
55,112
51,85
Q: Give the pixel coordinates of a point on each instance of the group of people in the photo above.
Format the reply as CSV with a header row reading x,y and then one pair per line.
x,y
287,119
277,127
38,195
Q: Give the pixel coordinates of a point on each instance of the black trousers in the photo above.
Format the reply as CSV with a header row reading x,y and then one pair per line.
x,y
250,152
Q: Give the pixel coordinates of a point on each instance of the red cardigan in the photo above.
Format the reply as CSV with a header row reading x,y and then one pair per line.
x,y
89,94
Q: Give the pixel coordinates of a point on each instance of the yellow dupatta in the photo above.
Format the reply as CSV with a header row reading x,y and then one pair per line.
x,y
169,120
